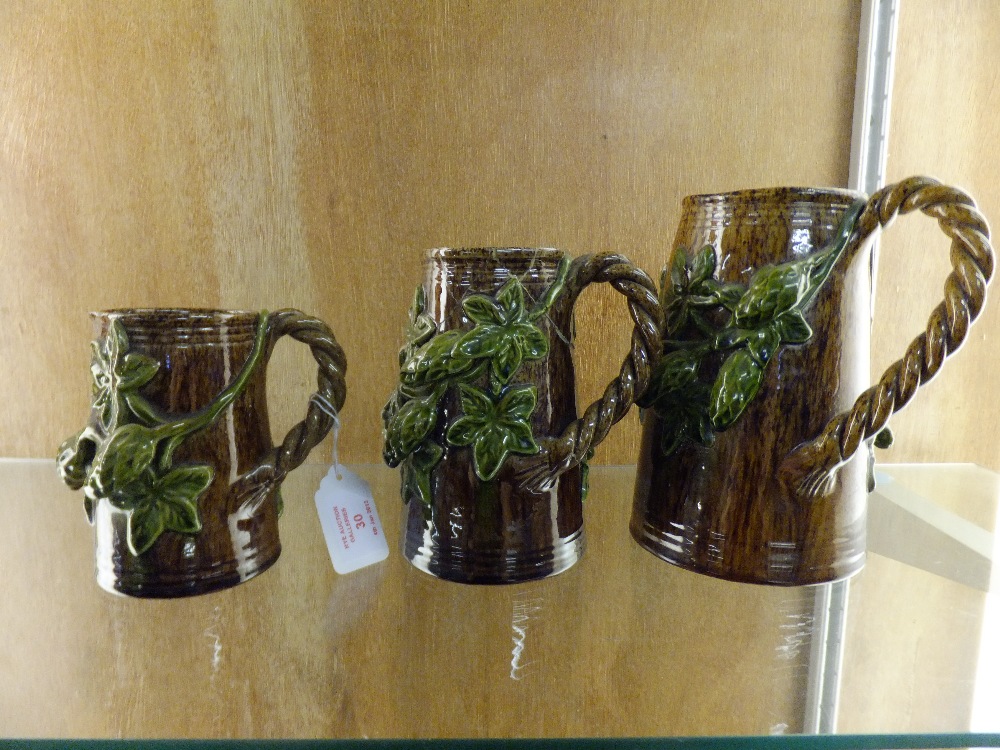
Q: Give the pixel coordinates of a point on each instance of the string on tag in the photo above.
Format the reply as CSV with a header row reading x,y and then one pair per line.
x,y
327,408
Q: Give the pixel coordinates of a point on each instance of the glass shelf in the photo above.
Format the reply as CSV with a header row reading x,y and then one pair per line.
x,y
622,645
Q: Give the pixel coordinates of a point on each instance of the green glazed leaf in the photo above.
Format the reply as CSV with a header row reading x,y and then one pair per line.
x,y
763,343
730,338
517,403
673,435
676,370
482,310
417,472
703,265
117,343
431,361
145,525
505,361
475,403
125,455
772,291
488,454
519,439
793,328
511,300
678,271
482,341
178,494
530,340
738,381
463,431
411,425
136,370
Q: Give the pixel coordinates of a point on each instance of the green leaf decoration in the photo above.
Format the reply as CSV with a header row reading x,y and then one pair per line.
x,y
127,457
506,361
483,341
709,321
482,363
417,472
143,410
763,344
530,340
773,290
494,429
678,271
412,424
738,381
145,525
483,310
510,298
702,265
136,370
793,328
177,497
432,361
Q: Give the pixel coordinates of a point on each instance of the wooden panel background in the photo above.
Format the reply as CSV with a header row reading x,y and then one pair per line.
x,y
944,123
291,153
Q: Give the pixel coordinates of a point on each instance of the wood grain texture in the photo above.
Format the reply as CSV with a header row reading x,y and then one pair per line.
x,y
305,154
944,105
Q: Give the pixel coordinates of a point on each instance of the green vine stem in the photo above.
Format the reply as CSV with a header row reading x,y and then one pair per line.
x,y
708,322
126,457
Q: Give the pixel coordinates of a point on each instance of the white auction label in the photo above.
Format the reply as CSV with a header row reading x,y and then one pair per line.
x,y
350,521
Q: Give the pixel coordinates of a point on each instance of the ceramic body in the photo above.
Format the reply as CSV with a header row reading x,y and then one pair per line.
x,y
767,481
720,509
177,463
498,498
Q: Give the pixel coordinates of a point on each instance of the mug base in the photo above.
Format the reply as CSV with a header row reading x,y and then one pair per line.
x,y
496,568
779,567
162,586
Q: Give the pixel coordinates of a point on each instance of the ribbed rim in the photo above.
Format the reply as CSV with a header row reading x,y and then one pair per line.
x,y
776,195
180,324
505,254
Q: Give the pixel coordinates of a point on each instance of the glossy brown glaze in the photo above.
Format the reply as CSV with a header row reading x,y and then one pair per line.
x,y
526,523
780,497
200,352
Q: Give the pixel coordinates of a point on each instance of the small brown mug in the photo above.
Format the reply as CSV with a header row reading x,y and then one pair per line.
x,y
484,419
180,477
750,467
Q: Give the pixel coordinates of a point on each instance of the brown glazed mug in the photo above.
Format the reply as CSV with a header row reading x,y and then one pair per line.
x,y
750,467
180,477
484,421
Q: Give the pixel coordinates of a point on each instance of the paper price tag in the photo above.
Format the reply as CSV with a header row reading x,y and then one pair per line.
x,y
350,522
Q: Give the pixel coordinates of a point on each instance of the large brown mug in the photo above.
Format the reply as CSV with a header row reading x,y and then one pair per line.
x,y
180,477
757,447
484,421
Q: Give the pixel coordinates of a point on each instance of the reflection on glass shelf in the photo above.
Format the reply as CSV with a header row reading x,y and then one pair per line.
x,y
622,644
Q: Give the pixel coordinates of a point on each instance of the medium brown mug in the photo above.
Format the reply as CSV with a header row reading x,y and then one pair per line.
x,y
180,477
484,421
750,467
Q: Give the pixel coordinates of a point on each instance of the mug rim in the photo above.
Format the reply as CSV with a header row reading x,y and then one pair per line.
x,y
512,252
178,311
782,194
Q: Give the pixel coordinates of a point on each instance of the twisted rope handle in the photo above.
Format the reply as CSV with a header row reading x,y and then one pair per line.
x,y
811,465
331,388
584,434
